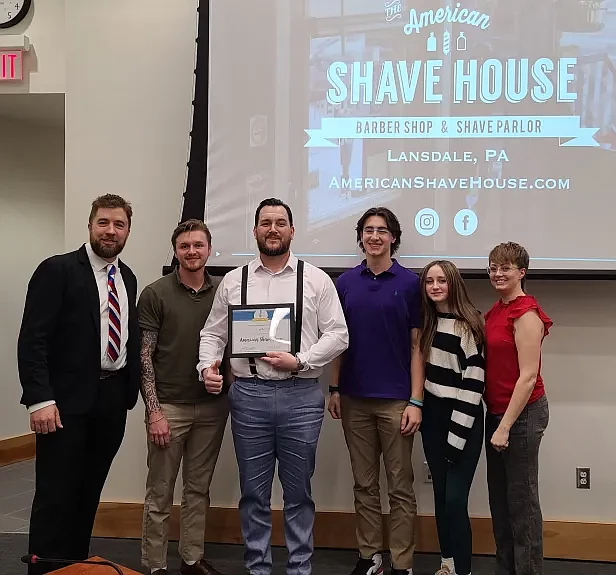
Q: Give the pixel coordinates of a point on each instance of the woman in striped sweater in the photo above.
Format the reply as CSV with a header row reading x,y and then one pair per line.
x,y
452,342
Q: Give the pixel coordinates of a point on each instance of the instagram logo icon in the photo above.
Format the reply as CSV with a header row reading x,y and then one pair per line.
x,y
426,222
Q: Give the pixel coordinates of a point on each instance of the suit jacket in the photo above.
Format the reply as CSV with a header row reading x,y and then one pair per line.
x,y
59,345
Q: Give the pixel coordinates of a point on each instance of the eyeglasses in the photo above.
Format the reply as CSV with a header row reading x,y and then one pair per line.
x,y
503,269
379,231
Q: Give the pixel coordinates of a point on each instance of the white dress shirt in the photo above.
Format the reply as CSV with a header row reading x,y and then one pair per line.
x,y
101,268
324,330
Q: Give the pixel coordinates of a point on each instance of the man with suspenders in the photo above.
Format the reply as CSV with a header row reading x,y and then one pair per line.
x,y
276,402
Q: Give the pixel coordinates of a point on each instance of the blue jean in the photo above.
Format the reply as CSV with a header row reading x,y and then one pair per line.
x,y
276,420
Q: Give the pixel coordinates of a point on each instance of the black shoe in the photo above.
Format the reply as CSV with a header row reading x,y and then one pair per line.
x,y
372,566
201,567
400,571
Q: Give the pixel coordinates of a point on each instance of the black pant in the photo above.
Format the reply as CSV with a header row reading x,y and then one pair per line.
x,y
451,482
71,469
513,489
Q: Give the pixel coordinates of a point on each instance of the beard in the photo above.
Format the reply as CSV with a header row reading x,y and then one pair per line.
x,y
106,252
282,249
192,265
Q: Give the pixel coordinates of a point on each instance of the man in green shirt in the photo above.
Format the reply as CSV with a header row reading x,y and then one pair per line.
x,y
184,422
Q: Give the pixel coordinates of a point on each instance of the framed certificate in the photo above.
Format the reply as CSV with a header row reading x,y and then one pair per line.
x,y
256,329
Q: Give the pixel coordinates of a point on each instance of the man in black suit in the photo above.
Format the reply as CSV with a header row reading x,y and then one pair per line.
x,y
78,359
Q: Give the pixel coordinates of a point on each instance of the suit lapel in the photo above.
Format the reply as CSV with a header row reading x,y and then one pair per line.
x,y
128,284
91,288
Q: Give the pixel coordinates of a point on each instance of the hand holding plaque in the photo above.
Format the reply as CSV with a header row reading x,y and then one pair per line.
x,y
257,329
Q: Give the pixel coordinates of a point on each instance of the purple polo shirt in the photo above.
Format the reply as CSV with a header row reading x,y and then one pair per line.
x,y
380,312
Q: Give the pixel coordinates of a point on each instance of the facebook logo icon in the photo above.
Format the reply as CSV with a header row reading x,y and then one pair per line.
x,y
465,222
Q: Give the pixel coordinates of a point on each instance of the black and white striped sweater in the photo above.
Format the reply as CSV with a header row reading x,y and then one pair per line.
x,y
456,371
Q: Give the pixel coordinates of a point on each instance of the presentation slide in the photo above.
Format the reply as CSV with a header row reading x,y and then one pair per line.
x,y
475,121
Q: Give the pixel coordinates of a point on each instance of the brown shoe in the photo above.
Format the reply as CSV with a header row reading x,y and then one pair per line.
x,y
201,567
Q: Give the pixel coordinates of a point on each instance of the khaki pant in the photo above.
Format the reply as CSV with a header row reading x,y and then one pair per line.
x,y
371,428
197,431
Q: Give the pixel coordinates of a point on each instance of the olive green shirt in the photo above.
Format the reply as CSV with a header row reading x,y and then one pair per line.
x,y
177,313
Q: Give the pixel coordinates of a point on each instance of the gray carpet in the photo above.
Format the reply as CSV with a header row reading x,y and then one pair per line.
x,y
228,559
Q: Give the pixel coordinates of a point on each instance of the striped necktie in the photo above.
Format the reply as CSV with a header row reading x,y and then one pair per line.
x,y
115,329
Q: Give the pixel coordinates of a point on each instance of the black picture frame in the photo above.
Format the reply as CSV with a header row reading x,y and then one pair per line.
x,y
255,307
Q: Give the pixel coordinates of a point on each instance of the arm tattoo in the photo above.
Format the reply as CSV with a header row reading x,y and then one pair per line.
x,y
148,378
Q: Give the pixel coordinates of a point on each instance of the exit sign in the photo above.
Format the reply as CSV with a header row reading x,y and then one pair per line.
x,y
10,64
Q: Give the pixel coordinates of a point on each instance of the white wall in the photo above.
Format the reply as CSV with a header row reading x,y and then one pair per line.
x,y
127,132
31,228
44,63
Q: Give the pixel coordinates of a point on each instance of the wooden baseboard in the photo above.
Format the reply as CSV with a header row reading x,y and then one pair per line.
x,y
562,539
15,449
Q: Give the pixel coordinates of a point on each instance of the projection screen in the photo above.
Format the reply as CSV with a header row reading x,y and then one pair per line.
x,y
475,121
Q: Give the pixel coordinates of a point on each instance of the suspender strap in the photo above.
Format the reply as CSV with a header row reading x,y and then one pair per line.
x,y
244,285
299,305
251,360
299,308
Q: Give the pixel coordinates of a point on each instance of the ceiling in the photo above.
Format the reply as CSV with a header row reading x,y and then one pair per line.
x,y
41,109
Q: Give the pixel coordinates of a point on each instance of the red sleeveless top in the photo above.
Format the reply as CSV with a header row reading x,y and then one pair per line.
x,y
502,368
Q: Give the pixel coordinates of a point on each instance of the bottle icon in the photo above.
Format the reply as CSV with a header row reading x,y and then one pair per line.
x,y
431,43
446,43
461,43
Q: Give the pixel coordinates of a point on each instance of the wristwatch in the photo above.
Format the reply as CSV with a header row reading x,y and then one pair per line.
x,y
300,364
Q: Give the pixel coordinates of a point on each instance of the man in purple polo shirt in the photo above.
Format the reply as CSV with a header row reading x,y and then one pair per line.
x,y
377,390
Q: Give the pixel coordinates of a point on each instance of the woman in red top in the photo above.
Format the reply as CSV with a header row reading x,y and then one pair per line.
x,y
516,415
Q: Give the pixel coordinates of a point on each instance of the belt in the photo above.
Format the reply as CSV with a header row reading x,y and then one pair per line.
x,y
106,373
257,379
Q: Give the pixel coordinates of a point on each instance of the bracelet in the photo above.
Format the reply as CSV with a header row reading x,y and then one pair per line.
x,y
334,389
416,403
156,420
